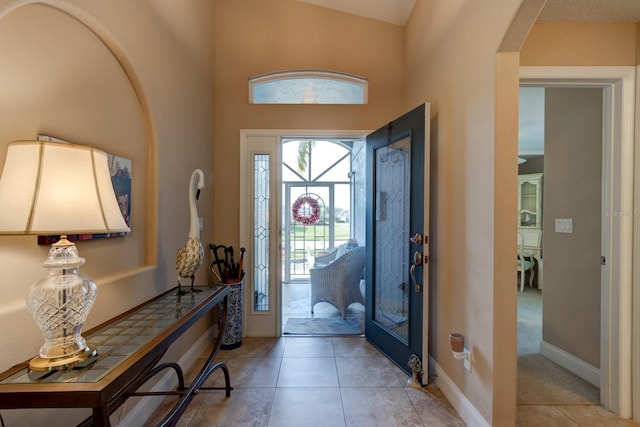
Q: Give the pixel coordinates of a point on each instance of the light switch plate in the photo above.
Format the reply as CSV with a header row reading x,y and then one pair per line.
x,y
564,225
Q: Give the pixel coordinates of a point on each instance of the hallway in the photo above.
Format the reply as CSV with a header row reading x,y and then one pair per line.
x,y
314,381
341,381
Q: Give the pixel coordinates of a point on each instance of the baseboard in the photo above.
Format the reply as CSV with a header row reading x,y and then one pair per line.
x,y
458,400
571,363
137,415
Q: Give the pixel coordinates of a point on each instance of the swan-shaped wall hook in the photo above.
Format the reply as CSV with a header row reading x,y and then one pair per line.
x,y
190,256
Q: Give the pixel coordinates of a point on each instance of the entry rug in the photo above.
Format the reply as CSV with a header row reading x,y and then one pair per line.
x,y
322,326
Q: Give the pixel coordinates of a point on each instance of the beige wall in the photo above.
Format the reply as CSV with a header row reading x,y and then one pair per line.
x,y
580,44
132,78
452,64
572,189
255,37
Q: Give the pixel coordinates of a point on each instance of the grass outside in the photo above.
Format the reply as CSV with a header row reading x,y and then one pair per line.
x,y
317,232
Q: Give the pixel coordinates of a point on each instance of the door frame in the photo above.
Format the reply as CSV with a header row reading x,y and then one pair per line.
x,y
618,375
269,141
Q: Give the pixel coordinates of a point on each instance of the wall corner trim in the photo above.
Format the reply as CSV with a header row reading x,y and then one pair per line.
x,y
587,372
458,400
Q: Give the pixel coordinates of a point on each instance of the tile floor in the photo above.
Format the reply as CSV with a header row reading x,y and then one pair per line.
x,y
343,381
314,381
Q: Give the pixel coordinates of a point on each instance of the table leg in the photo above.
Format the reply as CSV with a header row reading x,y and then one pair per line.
x,y
209,367
101,417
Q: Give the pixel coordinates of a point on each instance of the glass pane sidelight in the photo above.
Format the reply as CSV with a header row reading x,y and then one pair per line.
x,y
261,232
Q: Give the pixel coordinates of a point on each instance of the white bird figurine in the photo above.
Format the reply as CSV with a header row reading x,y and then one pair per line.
x,y
190,256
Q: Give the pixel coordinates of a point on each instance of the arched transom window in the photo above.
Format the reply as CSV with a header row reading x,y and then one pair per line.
x,y
307,87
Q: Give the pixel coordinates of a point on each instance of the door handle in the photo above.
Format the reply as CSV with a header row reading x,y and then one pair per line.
x,y
417,286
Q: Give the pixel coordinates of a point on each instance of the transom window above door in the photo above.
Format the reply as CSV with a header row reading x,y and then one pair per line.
x,y
308,87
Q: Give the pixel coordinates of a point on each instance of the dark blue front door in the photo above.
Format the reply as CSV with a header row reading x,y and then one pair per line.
x,y
397,225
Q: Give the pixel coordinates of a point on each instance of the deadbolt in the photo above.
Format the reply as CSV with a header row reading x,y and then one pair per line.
x,y
417,239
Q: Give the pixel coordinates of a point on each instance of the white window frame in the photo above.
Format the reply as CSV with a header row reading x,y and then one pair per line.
x,y
310,74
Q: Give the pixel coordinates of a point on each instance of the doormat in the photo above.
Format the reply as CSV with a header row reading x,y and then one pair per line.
x,y
322,326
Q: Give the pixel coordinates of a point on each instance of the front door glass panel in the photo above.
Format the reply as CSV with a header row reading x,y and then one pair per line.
x,y
392,216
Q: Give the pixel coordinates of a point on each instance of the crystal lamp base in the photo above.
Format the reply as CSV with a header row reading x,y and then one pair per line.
x,y
59,304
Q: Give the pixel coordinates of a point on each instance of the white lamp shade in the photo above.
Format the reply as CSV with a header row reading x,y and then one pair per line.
x,y
57,188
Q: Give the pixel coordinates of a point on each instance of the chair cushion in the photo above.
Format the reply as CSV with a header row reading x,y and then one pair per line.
x,y
346,247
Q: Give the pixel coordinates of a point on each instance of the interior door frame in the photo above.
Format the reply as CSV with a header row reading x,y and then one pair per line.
x,y
269,324
619,377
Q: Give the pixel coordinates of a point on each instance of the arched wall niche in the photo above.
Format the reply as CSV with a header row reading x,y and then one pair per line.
x,y
62,74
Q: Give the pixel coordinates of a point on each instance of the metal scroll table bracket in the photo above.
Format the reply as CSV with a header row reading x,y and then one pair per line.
x,y
186,394
209,367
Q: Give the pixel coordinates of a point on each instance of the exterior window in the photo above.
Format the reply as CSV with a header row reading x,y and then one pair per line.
x,y
261,232
307,87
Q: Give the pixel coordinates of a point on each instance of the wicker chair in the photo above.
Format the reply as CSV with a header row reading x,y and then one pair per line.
x,y
338,282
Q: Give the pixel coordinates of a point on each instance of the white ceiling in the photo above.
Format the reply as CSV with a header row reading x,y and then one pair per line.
x,y
591,11
391,11
594,11
531,122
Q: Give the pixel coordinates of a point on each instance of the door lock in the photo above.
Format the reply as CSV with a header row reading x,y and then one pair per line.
x,y
417,258
417,239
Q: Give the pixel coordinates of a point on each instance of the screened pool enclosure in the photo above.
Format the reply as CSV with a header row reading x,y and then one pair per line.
x,y
318,212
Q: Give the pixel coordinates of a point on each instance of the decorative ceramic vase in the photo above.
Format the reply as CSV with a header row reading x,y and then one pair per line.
x,y
456,341
232,337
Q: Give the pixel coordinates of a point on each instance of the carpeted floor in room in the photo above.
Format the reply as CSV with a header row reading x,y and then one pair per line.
x,y
549,395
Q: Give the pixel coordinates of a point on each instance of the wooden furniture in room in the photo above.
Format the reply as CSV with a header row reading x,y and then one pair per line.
x,y
531,242
530,222
525,263
129,349
530,201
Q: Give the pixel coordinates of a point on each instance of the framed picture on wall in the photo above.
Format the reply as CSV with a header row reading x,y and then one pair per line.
x,y
120,169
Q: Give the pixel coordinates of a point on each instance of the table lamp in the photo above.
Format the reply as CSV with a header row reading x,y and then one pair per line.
x,y
58,188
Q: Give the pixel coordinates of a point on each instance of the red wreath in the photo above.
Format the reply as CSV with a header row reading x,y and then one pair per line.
x,y
314,207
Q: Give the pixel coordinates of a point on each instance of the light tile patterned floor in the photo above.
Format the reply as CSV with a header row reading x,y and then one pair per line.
x,y
314,381
342,381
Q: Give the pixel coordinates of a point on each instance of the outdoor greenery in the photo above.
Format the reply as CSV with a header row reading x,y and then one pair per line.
x,y
342,232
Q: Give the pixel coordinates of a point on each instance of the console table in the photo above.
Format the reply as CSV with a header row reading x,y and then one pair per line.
x,y
129,349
